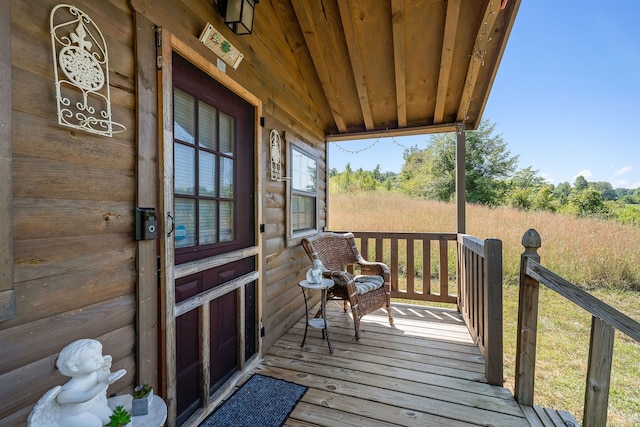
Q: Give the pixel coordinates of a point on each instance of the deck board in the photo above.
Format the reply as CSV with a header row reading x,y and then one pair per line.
x,y
423,371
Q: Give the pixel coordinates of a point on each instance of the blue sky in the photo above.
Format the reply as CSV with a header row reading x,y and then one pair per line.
x,y
566,98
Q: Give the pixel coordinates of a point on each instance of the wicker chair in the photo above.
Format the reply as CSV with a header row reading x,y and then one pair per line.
x,y
337,251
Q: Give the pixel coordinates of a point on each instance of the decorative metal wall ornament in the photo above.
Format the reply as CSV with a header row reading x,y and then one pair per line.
x,y
81,71
275,143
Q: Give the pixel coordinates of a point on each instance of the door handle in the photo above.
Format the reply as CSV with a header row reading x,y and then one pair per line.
x,y
173,224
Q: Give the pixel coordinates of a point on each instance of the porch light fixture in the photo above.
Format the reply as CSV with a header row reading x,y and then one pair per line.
x,y
238,14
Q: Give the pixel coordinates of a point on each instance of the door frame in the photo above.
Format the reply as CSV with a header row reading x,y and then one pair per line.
x,y
168,309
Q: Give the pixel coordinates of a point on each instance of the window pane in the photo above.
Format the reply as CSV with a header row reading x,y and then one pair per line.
x,y
185,222
303,213
303,171
207,126
226,134
208,222
184,123
226,177
207,173
184,164
226,221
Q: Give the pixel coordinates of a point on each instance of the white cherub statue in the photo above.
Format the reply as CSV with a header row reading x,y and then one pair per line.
x,y
82,401
314,275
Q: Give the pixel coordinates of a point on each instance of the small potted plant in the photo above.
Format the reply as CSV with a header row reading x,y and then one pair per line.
x,y
119,418
142,396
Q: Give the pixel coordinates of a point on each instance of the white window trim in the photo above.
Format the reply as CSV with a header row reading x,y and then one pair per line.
x,y
294,238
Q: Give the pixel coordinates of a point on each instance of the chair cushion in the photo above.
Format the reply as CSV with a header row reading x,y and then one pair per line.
x,y
366,284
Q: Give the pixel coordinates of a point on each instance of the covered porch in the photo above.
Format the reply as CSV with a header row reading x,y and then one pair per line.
x,y
425,370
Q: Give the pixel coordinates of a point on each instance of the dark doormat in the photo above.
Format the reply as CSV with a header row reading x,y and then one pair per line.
x,y
261,401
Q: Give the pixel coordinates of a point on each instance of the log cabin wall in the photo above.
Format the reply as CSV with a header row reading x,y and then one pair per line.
x,y
73,197
74,257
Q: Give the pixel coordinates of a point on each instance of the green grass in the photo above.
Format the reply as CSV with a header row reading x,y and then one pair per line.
x,y
600,256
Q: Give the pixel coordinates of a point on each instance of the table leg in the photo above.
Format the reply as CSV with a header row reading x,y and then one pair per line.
x,y
324,318
306,317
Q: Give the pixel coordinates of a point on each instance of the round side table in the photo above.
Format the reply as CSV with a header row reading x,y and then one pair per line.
x,y
317,322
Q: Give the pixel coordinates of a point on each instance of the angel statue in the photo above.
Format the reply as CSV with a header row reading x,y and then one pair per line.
x,y
314,275
82,401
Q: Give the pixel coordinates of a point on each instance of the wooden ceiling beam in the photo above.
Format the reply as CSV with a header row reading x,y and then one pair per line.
x,y
346,15
307,19
388,133
398,28
483,38
446,58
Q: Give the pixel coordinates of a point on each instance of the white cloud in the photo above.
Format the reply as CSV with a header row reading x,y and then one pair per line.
x,y
636,185
623,170
585,173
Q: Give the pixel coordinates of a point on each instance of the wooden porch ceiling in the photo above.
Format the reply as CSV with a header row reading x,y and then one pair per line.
x,y
392,67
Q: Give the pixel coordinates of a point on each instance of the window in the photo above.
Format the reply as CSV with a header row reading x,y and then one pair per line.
x,y
203,176
304,192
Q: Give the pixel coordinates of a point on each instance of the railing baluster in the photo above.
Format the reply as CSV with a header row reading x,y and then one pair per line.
x,y
426,266
394,264
411,273
444,268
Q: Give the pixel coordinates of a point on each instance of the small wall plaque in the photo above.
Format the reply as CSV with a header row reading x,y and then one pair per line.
x,y
215,41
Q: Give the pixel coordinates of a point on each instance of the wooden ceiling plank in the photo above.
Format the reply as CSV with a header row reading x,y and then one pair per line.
x,y
446,60
476,60
346,15
307,24
397,13
298,47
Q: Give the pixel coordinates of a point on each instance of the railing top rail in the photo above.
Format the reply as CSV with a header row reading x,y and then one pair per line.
x,y
573,293
403,235
472,243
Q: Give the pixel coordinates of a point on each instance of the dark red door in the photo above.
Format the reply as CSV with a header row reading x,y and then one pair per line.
x,y
214,214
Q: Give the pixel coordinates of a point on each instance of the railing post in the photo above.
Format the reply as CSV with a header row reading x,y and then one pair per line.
x,y
493,325
527,322
596,397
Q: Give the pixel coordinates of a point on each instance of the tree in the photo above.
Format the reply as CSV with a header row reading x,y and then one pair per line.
x,y
580,183
430,173
588,202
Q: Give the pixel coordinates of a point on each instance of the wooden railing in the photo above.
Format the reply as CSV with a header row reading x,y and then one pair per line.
x,y
605,321
480,299
468,274
411,270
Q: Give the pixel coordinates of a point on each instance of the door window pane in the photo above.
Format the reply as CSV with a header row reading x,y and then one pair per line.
x,y
226,134
207,174
226,177
184,165
208,222
207,126
184,123
226,221
185,222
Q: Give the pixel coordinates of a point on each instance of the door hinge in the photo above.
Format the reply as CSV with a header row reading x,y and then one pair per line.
x,y
261,121
262,332
262,227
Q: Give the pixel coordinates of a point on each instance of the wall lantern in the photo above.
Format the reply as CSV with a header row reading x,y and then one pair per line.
x,y
238,14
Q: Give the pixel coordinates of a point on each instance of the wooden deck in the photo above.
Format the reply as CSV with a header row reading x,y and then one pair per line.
x,y
423,371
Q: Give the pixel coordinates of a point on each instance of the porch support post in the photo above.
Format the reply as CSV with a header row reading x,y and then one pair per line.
x,y
147,363
461,216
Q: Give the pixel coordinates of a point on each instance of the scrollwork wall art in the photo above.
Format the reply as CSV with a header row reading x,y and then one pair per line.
x,y
81,64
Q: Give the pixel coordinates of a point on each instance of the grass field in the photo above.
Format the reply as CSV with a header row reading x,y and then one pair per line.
x,y
600,256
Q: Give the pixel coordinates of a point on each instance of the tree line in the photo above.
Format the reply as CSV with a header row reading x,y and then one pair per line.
x,y
492,178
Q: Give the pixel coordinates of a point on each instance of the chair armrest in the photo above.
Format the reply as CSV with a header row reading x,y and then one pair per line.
x,y
370,268
344,281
